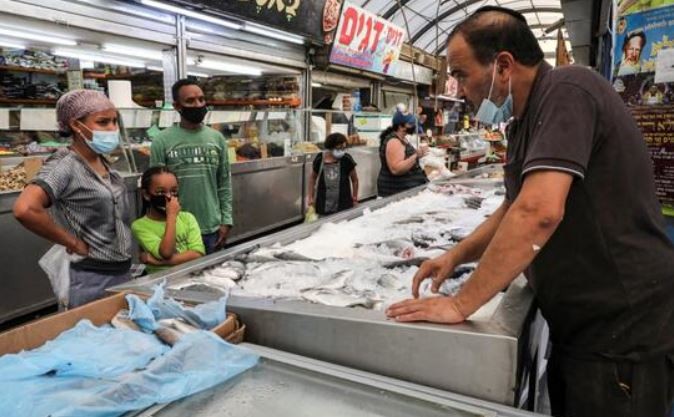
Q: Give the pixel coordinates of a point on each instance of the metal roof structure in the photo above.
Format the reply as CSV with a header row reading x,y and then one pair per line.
x,y
430,21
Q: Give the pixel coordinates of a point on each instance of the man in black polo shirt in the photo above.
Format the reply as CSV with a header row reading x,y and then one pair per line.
x,y
580,219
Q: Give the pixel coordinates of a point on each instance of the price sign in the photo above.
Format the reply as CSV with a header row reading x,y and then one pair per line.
x,y
366,41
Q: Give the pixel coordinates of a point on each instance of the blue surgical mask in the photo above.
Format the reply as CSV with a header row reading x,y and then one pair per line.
x,y
103,141
338,153
491,114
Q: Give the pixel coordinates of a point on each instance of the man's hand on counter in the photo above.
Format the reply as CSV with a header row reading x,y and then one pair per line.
x,y
434,309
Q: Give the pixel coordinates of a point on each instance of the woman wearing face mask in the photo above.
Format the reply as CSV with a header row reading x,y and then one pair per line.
x,y
335,171
88,196
167,236
400,168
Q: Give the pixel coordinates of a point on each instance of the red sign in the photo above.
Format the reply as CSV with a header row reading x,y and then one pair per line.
x,y
366,41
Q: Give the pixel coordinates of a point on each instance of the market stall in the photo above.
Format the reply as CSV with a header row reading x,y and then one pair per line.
x,y
485,358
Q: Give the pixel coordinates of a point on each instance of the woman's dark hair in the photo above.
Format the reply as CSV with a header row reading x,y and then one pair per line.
x,y
487,36
391,129
146,180
334,140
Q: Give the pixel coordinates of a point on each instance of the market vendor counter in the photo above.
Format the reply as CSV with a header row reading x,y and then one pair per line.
x,y
284,384
482,358
25,287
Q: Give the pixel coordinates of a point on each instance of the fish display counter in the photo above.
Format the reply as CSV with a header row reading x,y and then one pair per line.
x,y
284,384
320,290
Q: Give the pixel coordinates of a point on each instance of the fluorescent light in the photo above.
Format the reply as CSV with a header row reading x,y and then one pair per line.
x,y
198,74
13,45
190,13
272,33
316,85
227,67
47,37
93,56
130,51
193,73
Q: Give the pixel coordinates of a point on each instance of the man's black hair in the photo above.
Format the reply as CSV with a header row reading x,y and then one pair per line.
x,y
632,35
334,140
509,33
175,90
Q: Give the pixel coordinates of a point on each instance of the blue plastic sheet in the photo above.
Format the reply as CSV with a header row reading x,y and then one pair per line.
x,y
204,316
200,360
85,350
106,372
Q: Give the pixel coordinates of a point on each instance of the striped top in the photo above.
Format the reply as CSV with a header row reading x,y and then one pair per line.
x,y
91,207
388,183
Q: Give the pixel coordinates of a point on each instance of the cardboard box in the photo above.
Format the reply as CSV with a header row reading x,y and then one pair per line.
x,y
35,334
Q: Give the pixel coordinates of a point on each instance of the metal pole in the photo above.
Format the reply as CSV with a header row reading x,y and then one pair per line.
x,y
181,42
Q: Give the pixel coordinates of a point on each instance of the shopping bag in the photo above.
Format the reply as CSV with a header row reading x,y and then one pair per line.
x,y
311,215
56,264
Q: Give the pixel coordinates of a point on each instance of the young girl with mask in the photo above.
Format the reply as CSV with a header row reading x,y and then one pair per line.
x,y
167,236
400,168
89,198
335,171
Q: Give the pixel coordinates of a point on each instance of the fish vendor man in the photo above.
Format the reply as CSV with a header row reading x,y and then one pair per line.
x,y
580,219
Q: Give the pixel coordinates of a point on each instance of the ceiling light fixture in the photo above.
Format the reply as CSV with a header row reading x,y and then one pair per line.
x,y
190,13
227,67
96,57
131,51
316,85
12,45
44,37
273,33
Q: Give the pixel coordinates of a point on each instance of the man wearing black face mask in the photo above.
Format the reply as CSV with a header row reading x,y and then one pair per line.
x,y
198,156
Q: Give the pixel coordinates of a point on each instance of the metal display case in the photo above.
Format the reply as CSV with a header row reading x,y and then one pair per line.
x,y
480,358
25,286
290,385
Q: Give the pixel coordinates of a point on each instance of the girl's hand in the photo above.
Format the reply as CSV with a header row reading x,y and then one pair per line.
x,y
172,207
148,259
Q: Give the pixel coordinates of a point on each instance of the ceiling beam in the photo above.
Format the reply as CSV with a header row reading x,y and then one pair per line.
x,y
525,11
453,10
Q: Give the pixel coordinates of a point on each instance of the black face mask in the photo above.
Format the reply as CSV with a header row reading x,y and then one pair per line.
x,y
158,202
411,130
194,114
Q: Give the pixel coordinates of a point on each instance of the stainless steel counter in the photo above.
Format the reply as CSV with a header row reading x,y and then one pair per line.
x,y
368,165
481,359
290,385
267,194
25,287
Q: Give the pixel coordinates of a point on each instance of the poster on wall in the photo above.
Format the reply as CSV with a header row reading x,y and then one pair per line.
x,y
639,39
657,125
365,41
626,7
316,19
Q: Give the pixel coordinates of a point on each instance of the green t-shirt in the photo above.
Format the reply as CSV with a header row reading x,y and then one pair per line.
x,y
149,234
199,159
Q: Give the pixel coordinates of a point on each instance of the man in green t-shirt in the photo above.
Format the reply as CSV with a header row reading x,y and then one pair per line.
x,y
198,156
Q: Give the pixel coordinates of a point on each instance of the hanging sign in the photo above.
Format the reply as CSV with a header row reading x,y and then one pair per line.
x,y
365,41
316,19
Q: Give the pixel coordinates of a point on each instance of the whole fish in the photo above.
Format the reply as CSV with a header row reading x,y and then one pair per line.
x,y
335,298
123,321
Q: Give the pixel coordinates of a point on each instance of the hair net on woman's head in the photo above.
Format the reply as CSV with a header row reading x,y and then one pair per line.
x,y
77,104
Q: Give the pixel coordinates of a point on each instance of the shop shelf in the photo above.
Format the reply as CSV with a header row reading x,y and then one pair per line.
x,y
16,68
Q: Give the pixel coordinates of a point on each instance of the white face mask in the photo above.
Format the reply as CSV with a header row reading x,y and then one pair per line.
x,y
338,153
491,114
